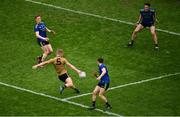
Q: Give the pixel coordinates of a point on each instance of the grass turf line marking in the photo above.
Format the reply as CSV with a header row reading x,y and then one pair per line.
x,y
58,99
97,16
128,84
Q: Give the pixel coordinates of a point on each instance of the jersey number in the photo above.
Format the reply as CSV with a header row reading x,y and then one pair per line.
x,y
58,62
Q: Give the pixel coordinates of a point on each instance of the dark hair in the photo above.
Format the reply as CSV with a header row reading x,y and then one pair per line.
x,y
37,16
100,60
148,4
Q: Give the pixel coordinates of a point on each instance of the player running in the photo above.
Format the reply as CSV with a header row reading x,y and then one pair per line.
x,y
102,86
40,30
147,18
59,63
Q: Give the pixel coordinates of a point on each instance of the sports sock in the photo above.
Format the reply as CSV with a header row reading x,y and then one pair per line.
x,y
108,104
94,103
132,42
77,90
156,45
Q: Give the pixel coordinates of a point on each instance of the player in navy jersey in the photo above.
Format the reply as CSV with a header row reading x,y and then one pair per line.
x,y
41,30
102,86
147,18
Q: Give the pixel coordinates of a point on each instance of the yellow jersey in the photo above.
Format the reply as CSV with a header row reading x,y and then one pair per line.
x,y
59,64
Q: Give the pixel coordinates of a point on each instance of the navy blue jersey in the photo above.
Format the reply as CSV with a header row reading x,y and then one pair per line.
x,y
147,17
41,28
105,78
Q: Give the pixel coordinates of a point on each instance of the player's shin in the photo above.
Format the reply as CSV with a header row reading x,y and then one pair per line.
x,y
75,89
155,42
44,56
94,99
103,97
62,88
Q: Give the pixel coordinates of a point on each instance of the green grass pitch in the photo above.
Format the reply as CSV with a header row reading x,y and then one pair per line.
x,y
84,39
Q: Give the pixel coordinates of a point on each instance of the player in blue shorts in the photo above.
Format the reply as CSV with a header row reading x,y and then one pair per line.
x,y
147,18
40,30
102,86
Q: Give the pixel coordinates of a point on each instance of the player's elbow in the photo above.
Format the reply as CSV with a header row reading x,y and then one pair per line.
x,y
37,36
72,67
104,72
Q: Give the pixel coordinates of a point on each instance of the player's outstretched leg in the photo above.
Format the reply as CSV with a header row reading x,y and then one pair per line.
x,y
42,57
94,94
138,28
154,36
45,53
101,95
49,48
69,84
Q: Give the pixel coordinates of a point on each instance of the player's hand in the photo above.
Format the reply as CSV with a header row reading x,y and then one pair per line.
x,y
53,32
47,39
98,78
157,21
34,67
95,74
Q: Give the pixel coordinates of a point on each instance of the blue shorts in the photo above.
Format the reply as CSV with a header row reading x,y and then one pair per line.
x,y
103,85
147,24
42,42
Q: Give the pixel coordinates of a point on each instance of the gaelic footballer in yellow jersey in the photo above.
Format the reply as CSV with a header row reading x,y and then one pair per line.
x,y
59,63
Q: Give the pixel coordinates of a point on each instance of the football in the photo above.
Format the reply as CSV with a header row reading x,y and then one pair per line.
x,y
82,75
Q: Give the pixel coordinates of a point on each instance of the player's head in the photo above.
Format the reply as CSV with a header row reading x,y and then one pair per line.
x,y
100,60
147,6
37,19
59,52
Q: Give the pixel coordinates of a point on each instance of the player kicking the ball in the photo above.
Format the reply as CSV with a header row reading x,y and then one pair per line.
x,y
102,86
147,18
59,63
40,30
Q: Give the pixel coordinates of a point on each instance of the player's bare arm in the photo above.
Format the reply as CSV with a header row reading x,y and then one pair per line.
x,y
139,19
95,74
155,18
38,36
72,67
50,31
42,64
102,74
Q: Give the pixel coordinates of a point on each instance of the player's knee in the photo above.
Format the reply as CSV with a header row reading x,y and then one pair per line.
x,y
70,84
101,95
135,31
50,51
153,32
94,93
46,53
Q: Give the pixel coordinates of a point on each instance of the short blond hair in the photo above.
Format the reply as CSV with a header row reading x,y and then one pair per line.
x,y
59,52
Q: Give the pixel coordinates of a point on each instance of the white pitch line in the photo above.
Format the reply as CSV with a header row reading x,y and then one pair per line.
x,y
56,98
128,84
97,16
